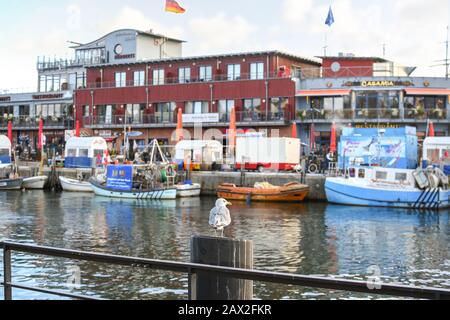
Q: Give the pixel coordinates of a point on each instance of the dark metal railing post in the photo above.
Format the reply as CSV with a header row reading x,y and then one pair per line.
x,y
7,273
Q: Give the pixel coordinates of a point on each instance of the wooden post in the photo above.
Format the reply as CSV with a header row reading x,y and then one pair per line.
x,y
225,253
7,279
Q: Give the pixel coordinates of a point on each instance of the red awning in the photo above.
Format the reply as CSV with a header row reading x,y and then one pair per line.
x,y
427,91
323,93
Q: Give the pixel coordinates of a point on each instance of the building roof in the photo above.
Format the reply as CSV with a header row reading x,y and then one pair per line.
x,y
143,33
207,57
375,59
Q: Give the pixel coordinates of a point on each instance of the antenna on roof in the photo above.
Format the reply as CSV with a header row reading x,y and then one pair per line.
x,y
384,49
447,59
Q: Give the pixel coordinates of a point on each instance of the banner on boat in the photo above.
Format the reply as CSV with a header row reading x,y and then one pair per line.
x,y
120,178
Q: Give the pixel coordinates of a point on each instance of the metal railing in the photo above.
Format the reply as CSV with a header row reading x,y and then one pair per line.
x,y
170,118
33,122
193,269
58,64
371,114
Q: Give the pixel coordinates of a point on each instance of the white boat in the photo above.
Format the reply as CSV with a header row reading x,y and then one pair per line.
x,y
34,183
139,194
188,190
386,187
74,185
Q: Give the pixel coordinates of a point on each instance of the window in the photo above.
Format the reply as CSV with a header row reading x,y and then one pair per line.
x,y
361,173
139,78
234,71
401,177
278,106
184,75
165,111
81,80
197,107
205,73
158,77
252,109
49,84
72,81
57,83
381,175
83,153
72,152
42,84
86,111
257,71
121,79
225,107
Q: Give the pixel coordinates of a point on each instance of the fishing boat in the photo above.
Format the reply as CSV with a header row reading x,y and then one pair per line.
x,y
264,192
188,190
139,194
34,183
75,185
387,187
11,184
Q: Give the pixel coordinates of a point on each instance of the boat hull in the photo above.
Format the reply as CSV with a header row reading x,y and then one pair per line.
x,y
340,192
189,191
162,194
34,183
11,184
73,185
288,194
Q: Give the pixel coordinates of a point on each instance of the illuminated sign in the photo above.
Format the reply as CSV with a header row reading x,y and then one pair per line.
x,y
380,83
377,126
48,96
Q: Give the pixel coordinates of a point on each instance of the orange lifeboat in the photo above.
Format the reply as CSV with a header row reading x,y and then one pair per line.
x,y
264,192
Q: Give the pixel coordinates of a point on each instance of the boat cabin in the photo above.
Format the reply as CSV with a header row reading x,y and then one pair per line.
x,y
5,150
436,153
380,175
85,152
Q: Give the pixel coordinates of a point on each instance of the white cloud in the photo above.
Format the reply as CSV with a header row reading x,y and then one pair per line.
x,y
221,33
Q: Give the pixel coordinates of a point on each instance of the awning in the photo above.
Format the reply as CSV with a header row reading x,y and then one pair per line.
x,y
323,93
427,91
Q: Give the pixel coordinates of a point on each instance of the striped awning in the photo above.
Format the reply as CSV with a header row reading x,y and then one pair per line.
x,y
427,91
323,93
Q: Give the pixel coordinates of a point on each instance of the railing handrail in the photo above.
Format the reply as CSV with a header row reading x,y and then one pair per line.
x,y
244,274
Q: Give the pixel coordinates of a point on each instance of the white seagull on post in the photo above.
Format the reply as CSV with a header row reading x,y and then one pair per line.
x,y
220,217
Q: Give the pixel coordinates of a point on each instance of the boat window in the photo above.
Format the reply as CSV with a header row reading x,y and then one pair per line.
x,y
401,176
84,153
381,175
433,155
72,152
362,173
352,173
4,152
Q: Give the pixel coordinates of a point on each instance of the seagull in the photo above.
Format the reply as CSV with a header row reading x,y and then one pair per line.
x,y
220,217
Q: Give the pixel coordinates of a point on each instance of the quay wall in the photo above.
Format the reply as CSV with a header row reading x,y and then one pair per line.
x,y
211,180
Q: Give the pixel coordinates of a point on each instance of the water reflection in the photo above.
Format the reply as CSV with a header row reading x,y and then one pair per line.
x,y
319,239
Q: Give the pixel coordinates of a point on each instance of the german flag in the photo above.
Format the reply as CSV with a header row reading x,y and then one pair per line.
x,y
174,7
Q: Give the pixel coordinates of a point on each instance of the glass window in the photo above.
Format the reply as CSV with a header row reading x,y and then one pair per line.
x,y
189,107
83,153
121,79
86,111
72,152
158,77
205,73
49,86
381,175
401,176
81,80
72,81
234,72
184,75
139,78
361,173
42,84
57,83
257,71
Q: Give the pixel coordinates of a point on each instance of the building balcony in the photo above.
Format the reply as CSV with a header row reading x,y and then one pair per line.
x,y
27,122
372,115
61,64
170,79
161,120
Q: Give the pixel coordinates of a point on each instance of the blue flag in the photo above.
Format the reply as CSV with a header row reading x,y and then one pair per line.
x,y
330,18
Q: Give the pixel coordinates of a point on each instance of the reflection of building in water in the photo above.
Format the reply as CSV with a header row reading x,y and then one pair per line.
x,y
393,240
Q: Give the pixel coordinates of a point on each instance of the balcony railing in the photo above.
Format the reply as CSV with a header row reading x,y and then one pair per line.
x,y
68,63
33,122
171,119
173,79
371,114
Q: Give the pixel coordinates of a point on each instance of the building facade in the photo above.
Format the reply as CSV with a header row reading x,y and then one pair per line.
x,y
145,96
58,78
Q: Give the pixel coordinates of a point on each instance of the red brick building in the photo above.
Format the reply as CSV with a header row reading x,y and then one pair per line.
x,y
145,96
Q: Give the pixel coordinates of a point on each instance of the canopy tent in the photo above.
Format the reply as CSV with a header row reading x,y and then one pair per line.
x,y
83,152
5,150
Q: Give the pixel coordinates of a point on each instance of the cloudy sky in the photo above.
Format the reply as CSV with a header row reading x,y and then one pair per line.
x,y
413,30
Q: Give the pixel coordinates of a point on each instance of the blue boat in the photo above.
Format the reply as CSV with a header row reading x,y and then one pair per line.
x,y
386,187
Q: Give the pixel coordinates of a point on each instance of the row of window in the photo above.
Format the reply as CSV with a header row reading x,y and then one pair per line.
x,y
39,110
58,82
184,75
377,100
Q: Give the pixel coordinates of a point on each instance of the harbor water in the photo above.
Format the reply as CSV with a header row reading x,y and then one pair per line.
x,y
407,247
